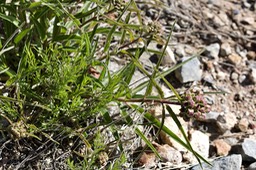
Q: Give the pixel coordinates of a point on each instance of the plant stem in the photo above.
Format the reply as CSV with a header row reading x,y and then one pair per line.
x,y
163,101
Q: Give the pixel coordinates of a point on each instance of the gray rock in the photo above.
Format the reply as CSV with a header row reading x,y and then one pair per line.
x,y
211,117
113,66
190,71
212,51
147,58
241,78
252,166
226,121
230,138
179,50
249,150
208,78
225,49
233,162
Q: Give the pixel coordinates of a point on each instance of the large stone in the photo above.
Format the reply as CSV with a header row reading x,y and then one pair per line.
x,y
233,162
200,143
190,71
249,150
252,166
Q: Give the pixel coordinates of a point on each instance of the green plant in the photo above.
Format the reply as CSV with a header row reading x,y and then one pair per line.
x,y
54,58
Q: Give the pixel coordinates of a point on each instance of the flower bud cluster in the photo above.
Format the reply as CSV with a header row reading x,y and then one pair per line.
x,y
194,104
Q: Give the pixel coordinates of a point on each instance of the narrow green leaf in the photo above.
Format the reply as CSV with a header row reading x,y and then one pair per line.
x,y
124,30
34,4
39,27
85,14
56,28
21,35
172,88
127,117
11,19
87,45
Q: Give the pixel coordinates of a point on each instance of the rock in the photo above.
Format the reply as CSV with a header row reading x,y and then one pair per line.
x,y
246,4
252,166
137,79
225,49
249,150
222,147
243,125
247,20
235,59
147,159
170,123
211,117
233,162
251,55
242,78
221,19
179,50
169,154
230,138
252,75
208,78
201,146
190,71
234,77
212,51
222,75
207,13
226,121
113,66
168,59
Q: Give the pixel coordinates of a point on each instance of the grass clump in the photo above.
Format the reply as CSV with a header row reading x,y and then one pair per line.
x,y
56,84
